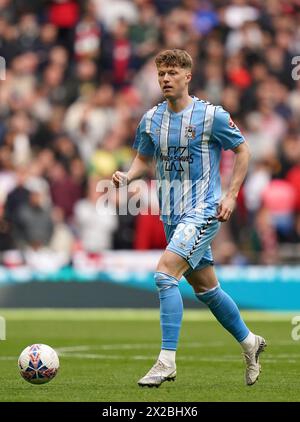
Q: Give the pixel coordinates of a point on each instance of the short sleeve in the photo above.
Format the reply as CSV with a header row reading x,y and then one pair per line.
x,y
143,142
225,131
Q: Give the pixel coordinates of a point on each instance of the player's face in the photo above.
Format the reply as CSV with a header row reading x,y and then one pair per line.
x,y
173,81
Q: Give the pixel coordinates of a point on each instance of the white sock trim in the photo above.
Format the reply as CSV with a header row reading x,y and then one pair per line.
x,y
210,290
248,342
167,357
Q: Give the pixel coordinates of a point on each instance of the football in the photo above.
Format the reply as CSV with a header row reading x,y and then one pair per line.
x,y
38,363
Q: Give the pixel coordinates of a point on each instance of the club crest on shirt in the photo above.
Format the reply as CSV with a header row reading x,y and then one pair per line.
x,y
190,132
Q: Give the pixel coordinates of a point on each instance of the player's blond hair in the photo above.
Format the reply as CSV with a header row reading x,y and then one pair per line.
x,y
175,57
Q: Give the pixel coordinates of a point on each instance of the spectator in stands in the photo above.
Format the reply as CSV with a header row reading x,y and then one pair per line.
x,y
65,191
279,199
6,239
88,121
16,199
95,219
34,221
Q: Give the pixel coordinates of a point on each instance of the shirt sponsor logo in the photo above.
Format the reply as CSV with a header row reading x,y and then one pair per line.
x,y
175,157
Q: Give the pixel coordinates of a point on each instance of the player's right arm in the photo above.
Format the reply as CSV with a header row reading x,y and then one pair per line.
x,y
145,150
138,169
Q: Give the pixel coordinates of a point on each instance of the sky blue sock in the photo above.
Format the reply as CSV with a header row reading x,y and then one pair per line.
x,y
226,312
171,309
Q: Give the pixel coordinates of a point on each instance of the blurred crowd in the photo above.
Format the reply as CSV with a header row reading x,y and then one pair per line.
x,y
79,76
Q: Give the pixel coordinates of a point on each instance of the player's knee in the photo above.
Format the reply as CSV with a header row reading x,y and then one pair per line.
x,y
198,284
197,288
164,281
209,296
165,265
172,264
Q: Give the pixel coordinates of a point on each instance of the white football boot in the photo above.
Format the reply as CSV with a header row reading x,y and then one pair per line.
x,y
253,366
158,374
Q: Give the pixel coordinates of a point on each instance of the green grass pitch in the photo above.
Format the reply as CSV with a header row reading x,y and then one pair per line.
x,y
104,352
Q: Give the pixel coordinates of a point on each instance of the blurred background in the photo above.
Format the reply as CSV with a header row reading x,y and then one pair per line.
x,y
79,76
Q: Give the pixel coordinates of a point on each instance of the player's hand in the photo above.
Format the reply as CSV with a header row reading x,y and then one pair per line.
x,y
225,208
119,179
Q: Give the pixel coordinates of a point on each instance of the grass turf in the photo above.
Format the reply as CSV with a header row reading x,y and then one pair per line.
x,y
103,354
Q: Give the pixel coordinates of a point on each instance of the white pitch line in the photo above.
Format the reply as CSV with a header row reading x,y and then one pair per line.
x,y
132,346
91,356
285,343
224,359
135,346
72,349
8,358
68,350
140,357
184,359
284,355
153,346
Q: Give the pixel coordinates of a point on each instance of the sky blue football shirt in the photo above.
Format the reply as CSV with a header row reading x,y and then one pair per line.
x,y
186,147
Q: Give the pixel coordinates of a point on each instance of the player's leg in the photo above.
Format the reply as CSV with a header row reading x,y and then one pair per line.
x,y
170,269
177,260
168,273
183,241
208,290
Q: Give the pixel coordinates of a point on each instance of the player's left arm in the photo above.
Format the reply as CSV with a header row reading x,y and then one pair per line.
x,y
241,162
228,136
